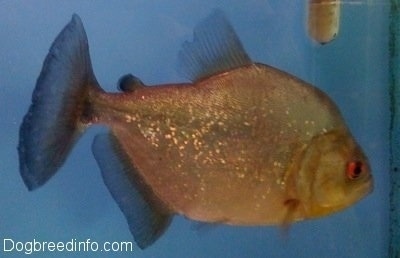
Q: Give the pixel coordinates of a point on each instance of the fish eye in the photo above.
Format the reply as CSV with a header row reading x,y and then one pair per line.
x,y
354,169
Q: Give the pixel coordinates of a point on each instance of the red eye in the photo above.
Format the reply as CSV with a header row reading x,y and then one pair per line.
x,y
354,169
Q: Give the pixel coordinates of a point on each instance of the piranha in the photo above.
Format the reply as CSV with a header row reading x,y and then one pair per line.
x,y
242,144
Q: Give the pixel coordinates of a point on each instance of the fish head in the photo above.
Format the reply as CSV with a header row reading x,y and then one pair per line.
x,y
334,174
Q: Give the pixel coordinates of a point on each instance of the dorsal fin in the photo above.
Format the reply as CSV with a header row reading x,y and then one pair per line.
x,y
215,48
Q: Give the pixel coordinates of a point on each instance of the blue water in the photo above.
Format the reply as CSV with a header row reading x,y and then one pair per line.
x,y
143,37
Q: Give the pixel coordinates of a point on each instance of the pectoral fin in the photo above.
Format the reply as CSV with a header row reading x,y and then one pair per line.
x,y
147,219
291,208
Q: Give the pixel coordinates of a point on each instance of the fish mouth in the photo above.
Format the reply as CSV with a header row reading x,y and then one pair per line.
x,y
357,194
366,187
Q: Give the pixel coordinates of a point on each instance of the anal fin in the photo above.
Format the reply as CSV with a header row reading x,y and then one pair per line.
x,y
147,219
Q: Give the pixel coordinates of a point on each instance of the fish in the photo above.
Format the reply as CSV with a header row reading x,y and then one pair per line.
x,y
240,143
323,20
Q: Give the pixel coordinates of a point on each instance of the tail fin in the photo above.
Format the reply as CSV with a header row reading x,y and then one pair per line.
x,y
52,124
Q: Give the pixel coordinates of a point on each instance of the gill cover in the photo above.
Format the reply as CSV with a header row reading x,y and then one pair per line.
x,y
324,184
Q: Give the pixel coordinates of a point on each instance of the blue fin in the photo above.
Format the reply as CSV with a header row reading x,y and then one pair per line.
x,y
52,123
215,48
146,217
